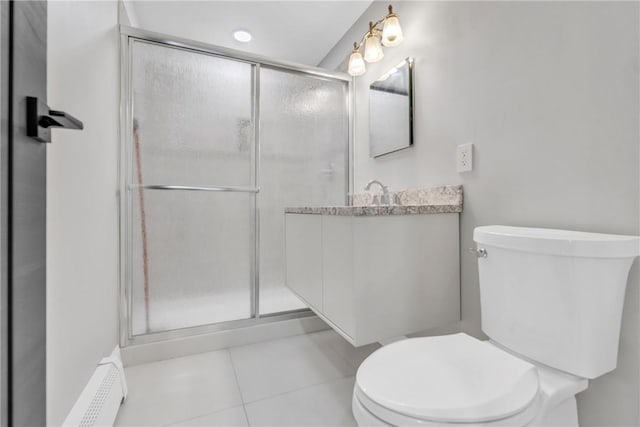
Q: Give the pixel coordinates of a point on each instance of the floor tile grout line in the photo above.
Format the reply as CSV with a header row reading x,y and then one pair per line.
x,y
235,374
243,403
335,352
260,400
220,409
299,389
315,343
203,415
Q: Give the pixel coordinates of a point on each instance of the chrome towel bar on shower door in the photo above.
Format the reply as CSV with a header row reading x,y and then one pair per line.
x,y
189,188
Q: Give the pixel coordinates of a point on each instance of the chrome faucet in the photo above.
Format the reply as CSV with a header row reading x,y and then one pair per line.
x,y
385,200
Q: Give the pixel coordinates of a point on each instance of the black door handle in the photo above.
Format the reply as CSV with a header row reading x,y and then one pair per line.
x,y
40,120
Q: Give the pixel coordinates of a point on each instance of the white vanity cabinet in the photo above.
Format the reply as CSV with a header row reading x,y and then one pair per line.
x,y
374,277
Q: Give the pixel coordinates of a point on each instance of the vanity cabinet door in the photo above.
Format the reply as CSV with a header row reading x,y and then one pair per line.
x,y
337,271
303,240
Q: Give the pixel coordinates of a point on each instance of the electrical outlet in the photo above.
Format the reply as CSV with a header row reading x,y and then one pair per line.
x,y
464,155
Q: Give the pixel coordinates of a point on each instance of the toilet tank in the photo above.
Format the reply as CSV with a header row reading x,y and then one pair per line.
x,y
555,296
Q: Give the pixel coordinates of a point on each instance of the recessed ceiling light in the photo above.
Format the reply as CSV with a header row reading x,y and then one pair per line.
x,y
243,36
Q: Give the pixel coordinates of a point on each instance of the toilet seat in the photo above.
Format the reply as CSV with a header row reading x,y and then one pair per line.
x,y
370,414
447,379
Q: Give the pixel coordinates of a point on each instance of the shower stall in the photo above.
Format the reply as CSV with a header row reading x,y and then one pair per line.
x,y
215,144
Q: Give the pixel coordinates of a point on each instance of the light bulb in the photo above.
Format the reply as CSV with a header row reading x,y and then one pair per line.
x,y
356,64
372,49
392,32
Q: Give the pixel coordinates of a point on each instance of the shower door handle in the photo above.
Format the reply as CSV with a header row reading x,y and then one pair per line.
x,y
40,120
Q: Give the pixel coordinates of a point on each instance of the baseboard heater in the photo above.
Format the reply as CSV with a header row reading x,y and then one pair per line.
x,y
100,400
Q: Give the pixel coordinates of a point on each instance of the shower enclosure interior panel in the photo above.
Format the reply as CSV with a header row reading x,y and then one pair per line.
x,y
216,143
303,140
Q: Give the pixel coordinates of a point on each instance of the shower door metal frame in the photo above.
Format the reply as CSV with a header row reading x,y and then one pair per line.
x,y
130,35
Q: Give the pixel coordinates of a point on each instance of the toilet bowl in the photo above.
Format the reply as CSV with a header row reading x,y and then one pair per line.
x,y
438,381
551,303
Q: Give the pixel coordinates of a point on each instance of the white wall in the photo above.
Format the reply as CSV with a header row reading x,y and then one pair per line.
x,y
82,210
127,14
548,93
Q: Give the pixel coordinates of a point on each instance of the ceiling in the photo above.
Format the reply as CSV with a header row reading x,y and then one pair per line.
x,y
298,31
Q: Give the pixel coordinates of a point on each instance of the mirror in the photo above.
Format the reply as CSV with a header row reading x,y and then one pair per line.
x,y
391,110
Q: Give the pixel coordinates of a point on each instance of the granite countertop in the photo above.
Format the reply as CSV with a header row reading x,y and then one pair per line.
x,y
375,210
430,200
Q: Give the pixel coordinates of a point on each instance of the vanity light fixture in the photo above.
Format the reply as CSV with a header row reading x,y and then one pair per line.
x,y
372,47
356,62
373,40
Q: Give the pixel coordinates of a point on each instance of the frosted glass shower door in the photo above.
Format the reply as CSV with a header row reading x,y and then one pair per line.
x,y
304,140
191,245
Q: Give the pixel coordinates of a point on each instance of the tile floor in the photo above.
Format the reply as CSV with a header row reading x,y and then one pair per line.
x,y
298,381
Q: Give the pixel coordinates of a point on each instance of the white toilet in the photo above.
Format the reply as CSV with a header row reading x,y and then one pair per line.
x,y
552,306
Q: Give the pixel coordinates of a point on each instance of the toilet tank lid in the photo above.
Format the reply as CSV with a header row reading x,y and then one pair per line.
x,y
558,242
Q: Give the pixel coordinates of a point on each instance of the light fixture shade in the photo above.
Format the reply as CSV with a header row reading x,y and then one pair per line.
x,y
372,49
392,32
356,64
